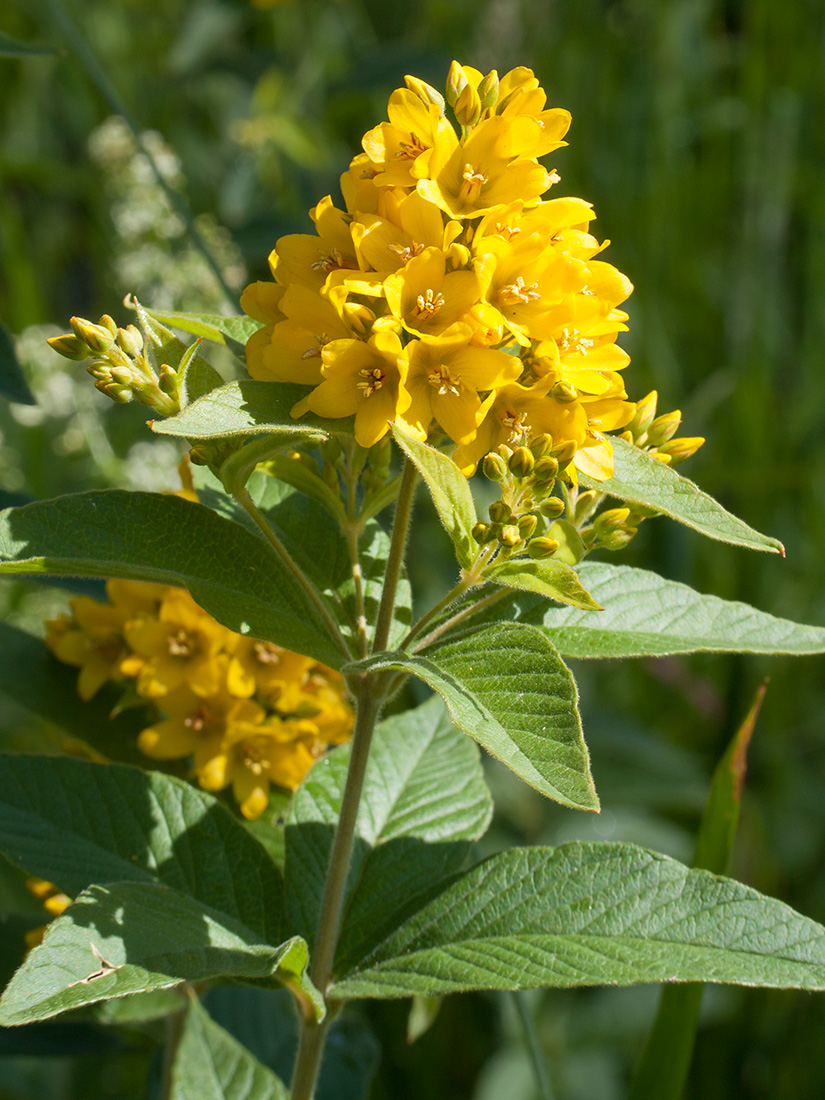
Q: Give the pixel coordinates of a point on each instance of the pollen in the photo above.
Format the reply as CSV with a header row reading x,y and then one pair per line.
x,y
332,261
409,150
372,379
406,252
428,304
442,381
519,292
474,180
267,653
314,351
515,424
181,644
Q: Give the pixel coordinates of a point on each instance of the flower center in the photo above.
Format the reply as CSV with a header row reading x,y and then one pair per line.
x,y
267,653
181,644
332,261
442,381
515,424
253,755
372,379
472,182
198,720
406,252
519,292
428,304
314,352
571,341
409,150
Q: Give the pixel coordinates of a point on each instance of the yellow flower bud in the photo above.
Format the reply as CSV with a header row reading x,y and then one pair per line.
x,y
618,540
96,337
564,392
467,107
488,90
546,469
552,507
494,467
108,322
645,412
456,82
510,536
481,532
527,525
563,452
542,547
678,450
69,346
360,318
664,428
500,512
611,520
542,445
425,92
130,340
521,462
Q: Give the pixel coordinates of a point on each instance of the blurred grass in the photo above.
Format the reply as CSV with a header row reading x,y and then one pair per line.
x,y
697,134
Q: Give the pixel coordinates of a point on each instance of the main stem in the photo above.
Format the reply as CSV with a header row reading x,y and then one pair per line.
x,y
369,691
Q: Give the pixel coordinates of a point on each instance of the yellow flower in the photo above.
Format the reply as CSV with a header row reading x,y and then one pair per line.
x,y
410,146
366,379
404,228
293,353
427,299
179,647
264,668
54,902
445,376
307,259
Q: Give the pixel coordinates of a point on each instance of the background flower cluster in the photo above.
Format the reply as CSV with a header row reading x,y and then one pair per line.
x,y
246,713
448,293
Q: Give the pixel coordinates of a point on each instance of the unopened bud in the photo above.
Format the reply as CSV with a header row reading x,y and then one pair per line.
x,y
542,547
481,532
130,340
645,412
521,462
304,460
542,445
360,318
108,322
458,255
500,512
618,540
494,467
510,536
456,82
168,379
527,525
96,337
563,452
488,90
611,520
584,503
680,449
552,507
664,428
101,368
200,456
331,448
425,91
627,436
546,469
564,393
69,346
504,451
467,106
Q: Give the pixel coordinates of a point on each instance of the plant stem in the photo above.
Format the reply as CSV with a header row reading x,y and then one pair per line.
x,y
245,500
351,529
369,697
471,578
460,616
395,561
531,1041
174,1033
93,67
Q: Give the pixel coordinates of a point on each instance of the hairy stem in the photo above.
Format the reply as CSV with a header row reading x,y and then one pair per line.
x,y
369,697
245,500
395,561
531,1041
459,617
351,529
174,1033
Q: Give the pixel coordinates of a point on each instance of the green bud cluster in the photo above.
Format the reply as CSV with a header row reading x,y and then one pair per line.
x,y
656,433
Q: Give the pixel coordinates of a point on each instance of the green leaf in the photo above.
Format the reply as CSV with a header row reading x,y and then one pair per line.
x,y
34,679
231,573
449,489
548,578
571,547
663,1067
13,384
424,801
236,470
11,47
143,827
590,914
244,408
199,377
641,479
138,1008
211,1065
138,937
507,687
646,615
233,332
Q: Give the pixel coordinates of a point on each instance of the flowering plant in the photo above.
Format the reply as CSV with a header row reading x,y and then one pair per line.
x,y
449,317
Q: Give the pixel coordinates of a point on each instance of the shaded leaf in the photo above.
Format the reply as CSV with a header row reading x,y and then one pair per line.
x,y
549,578
13,384
233,332
449,489
11,47
159,537
507,687
641,479
590,914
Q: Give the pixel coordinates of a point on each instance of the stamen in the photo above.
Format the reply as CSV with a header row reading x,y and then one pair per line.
x,y
267,653
373,379
515,425
406,252
474,180
518,292
442,381
314,352
180,644
409,150
332,261
428,304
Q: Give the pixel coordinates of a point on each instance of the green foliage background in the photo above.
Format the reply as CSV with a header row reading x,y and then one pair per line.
x,y
697,134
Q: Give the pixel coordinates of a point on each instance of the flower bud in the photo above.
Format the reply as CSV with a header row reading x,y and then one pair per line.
x,y
645,411
168,380
97,338
130,340
521,462
563,452
425,92
500,512
584,504
527,525
618,540
456,82
494,467
564,393
360,318
305,460
487,325
611,520
107,322
552,507
69,346
664,428
480,532
510,536
504,451
458,255
678,450
467,107
488,90
541,445
546,469
542,547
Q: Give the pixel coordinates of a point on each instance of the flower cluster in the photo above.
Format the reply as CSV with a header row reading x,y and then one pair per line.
x,y
449,294
247,713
